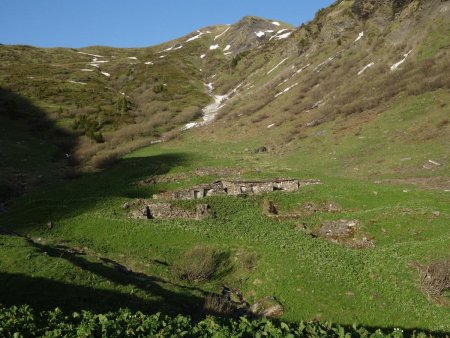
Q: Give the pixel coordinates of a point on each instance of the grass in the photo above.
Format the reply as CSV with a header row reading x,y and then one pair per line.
x,y
313,278
370,156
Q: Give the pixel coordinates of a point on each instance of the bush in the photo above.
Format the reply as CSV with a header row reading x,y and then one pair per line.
x,y
201,264
435,277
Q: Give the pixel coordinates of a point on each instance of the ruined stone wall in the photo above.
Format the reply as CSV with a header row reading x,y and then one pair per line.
x,y
168,211
288,185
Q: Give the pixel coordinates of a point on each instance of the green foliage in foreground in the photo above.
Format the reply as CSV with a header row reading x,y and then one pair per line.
x,y
23,321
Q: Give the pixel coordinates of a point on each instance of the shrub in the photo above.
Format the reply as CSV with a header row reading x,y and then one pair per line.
x,y
105,161
217,305
435,277
201,264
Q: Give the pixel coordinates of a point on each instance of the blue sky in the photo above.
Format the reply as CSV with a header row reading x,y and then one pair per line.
x,y
133,23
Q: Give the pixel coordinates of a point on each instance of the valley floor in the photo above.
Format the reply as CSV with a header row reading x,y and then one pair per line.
x,y
93,256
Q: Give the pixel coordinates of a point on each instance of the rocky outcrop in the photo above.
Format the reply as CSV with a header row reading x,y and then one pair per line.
x,y
267,307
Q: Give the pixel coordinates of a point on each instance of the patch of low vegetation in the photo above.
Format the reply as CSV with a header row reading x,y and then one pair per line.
x,y
23,321
202,264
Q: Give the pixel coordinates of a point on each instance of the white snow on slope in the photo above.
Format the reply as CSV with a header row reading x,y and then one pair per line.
x,y
210,111
179,47
97,56
286,90
212,47
278,65
195,37
148,63
276,23
162,56
331,58
227,53
167,49
227,48
95,60
81,83
396,65
106,74
132,57
360,35
302,69
260,34
86,70
283,36
270,125
202,56
365,68
218,36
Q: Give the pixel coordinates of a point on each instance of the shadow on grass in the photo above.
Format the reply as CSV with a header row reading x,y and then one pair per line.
x,y
32,146
46,294
33,153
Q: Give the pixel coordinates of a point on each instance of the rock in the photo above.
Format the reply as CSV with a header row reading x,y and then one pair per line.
x,y
126,205
262,149
50,225
436,213
267,307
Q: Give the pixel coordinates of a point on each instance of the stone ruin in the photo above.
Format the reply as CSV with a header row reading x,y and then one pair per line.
x,y
344,232
168,211
232,188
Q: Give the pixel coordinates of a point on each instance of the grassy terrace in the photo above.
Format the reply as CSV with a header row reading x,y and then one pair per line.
x,y
312,278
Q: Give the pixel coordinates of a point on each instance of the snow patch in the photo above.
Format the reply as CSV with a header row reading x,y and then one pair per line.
x,y
396,65
227,48
148,63
195,37
81,83
331,58
283,36
106,74
286,90
270,125
278,65
86,70
360,36
162,56
202,56
302,69
260,34
212,47
132,57
94,55
365,68
218,36
227,53
276,23
210,111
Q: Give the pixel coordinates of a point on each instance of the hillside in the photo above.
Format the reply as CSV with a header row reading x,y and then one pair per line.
x,y
353,104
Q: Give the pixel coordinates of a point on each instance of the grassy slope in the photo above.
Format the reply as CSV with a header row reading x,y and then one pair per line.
x,y
313,278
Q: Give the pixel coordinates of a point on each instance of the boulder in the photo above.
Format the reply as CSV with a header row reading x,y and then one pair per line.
x,y
267,307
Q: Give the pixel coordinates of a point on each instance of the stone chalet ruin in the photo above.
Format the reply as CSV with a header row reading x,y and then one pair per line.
x,y
233,188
